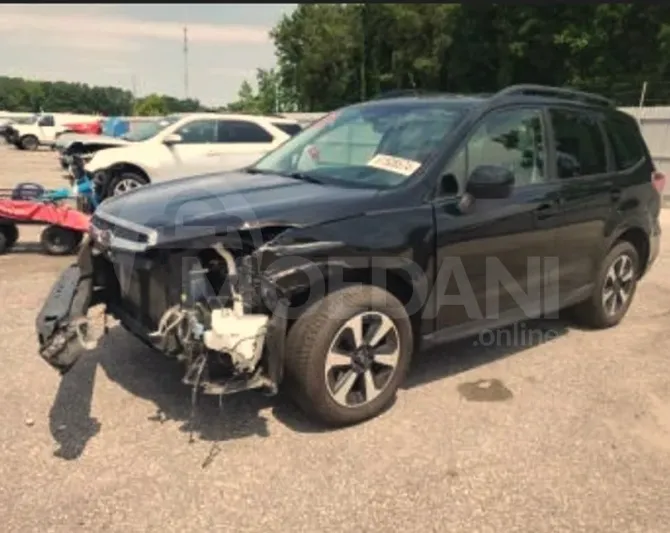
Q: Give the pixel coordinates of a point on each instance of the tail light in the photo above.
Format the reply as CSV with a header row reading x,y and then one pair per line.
x,y
658,181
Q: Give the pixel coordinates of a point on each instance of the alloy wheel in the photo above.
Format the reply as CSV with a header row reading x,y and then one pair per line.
x,y
362,359
619,282
125,185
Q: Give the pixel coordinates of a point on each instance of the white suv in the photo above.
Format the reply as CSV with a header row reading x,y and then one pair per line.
x,y
185,145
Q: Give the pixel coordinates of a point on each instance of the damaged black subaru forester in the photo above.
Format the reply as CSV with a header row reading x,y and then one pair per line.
x,y
319,268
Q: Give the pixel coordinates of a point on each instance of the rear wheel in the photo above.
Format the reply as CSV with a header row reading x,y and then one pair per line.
x,y
614,289
56,240
30,142
347,355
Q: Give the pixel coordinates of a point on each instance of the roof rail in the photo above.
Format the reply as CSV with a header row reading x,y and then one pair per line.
x,y
558,92
399,93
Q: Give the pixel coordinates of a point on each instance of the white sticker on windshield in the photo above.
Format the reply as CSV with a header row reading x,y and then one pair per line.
x,y
399,165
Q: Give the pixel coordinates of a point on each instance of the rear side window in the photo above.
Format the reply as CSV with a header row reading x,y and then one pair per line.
x,y
289,129
580,147
241,131
626,142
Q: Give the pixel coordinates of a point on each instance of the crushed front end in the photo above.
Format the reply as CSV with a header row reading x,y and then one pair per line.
x,y
210,308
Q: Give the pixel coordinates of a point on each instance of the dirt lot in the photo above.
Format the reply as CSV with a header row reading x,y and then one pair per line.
x,y
573,435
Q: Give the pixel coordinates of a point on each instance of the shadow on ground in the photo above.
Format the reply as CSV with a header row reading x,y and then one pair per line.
x,y
149,375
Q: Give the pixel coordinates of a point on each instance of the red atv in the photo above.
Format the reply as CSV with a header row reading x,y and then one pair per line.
x,y
90,128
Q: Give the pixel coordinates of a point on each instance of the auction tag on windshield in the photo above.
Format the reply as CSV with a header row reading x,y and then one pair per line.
x,y
399,165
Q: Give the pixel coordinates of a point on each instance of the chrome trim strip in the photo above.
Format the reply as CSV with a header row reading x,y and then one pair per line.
x,y
125,244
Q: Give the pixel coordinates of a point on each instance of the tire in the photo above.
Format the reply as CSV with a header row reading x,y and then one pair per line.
x,y
11,234
132,179
593,313
30,142
3,243
56,240
310,339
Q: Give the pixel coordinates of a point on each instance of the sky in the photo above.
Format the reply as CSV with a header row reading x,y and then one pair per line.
x,y
140,46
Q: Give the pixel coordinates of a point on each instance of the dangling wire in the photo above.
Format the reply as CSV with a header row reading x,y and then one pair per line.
x,y
200,363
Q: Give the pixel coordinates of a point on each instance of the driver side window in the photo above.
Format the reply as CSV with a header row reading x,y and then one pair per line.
x,y
47,120
198,131
513,139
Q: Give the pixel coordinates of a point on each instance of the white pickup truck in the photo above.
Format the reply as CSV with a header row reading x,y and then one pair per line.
x,y
43,129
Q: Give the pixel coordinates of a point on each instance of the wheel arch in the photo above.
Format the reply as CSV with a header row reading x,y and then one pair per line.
x,y
124,166
394,279
639,238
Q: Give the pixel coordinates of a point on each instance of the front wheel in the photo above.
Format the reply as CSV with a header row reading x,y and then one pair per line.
x,y
123,183
347,355
613,291
9,234
30,142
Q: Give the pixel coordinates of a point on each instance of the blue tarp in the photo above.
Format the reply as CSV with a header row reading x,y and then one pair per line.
x,y
115,127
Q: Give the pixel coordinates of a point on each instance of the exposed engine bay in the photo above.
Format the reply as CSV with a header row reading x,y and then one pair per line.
x,y
212,311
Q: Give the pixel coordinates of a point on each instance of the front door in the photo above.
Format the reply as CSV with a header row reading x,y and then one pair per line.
x,y
47,126
495,257
188,157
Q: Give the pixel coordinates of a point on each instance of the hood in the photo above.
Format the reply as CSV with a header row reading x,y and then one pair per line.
x,y
115,153
202,205
91,139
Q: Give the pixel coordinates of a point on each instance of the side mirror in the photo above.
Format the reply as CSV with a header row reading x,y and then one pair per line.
x,y
490,182
173,138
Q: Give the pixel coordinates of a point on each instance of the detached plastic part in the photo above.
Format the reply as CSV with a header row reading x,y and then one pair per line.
x,y
61,324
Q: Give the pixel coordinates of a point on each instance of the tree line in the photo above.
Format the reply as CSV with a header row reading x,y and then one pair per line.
x,y
331,55
18,94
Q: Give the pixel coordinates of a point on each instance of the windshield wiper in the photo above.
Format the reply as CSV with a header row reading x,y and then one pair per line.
x,y
294,175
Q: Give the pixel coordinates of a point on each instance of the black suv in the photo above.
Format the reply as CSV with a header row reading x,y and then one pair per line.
x,y
384,227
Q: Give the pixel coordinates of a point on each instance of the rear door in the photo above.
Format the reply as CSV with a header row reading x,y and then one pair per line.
x,y
589,194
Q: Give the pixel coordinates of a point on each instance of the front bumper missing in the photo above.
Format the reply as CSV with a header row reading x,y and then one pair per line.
x,y
62,330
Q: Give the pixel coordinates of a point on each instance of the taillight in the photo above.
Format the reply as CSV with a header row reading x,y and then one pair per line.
x,y
658,181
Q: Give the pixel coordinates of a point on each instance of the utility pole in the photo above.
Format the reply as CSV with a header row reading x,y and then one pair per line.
x,y
133,82
185,62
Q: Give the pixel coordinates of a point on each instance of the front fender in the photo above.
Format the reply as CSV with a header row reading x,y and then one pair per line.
x,y
315,259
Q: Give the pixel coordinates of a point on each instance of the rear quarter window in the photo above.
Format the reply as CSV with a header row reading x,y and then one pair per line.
x,y
626,141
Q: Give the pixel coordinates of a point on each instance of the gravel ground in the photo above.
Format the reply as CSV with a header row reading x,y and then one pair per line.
x,y
573,435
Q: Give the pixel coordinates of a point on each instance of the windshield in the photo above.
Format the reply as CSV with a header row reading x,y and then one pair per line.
x,y
378,145
143,131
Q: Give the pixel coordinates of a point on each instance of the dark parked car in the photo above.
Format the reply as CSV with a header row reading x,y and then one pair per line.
x,y
323,267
